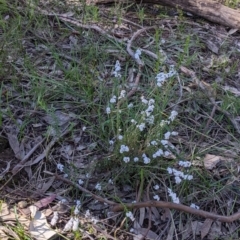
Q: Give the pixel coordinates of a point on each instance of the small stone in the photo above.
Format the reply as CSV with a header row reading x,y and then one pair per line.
x,y
22,204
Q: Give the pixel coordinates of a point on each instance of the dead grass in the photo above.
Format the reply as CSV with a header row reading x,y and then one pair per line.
x,y
56,82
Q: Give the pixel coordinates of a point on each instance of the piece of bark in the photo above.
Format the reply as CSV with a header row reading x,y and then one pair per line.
x,y
211,10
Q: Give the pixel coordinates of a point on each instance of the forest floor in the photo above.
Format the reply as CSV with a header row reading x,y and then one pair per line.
x,y
117,122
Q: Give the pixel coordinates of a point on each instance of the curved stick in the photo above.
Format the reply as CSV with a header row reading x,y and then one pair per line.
x,y
116,207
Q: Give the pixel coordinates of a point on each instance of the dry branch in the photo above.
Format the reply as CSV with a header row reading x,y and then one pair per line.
x,y
211,10
116,207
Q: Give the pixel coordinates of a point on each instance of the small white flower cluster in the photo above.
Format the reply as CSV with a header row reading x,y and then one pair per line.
x,y
184,164
168,134
80,182
117,70
138,54
122,94
194,206
180,175
98,186
147,117
162,77
113,99
126,159
108,110
173,195
146,159
136,159
156,197
171,118
158,153
60,167
124,148
156,187
130,215
130,105
120,137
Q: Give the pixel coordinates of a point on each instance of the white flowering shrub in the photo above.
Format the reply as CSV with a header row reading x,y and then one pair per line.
x,y
140,128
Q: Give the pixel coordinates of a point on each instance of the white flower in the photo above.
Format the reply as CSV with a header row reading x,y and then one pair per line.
x,y
167,135
133,121
80,182
98,186
78,203
126,159
122,94
146,160
156,187
151,101
117,69
194,206
120,137
159,153
178,180
84,128
188,177
110,181
170,170
108,110
173,195
174,133
173,115
154,143
113,99
145,101
150,120
136,159
137,54
124,148
60,167
141,126
156,197
54,219
149,110
75,224
111,142
65,175
178,173
130,105
130,215
63,201
166,153
164,142
184,164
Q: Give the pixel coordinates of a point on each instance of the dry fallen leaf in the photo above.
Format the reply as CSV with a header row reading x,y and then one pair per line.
x,y
39,227
206,227
210,161
233,90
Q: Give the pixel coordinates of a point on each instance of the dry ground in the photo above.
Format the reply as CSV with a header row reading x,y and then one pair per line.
x,y
57,78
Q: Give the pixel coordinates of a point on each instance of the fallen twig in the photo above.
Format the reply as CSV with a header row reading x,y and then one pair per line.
x,y
100,199
116,207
